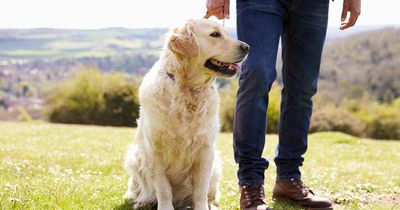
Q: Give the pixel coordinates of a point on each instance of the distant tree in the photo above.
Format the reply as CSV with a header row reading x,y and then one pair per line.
x,y
3,103
332,118
274,108
365,62
23,115
227,105
120,103
388,97
24,88
93,98
383,127
4,84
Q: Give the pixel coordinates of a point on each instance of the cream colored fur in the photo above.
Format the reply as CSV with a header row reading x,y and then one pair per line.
x,y
174,160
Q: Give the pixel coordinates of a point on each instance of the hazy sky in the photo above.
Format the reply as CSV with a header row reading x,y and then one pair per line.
x,y
151,13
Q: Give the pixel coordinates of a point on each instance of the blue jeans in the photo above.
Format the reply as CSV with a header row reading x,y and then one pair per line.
x,y
301,26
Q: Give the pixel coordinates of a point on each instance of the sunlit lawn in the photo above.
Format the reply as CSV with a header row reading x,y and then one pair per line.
x,y
50,166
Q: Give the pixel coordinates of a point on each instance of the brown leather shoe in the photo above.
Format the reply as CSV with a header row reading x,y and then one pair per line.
x,y
252,197
296,192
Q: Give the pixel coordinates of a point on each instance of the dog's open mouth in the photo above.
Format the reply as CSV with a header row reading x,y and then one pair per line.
x,y
228,69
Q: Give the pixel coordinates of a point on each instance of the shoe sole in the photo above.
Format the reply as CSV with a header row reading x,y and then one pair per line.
x,y
295,203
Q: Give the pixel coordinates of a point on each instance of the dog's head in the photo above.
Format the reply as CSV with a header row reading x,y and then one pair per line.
x,y
208,47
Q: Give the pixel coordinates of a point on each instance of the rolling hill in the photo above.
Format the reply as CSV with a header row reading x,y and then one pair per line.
x,y
364,62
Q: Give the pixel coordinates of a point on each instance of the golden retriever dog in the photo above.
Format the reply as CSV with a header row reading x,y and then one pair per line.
x,y
174,161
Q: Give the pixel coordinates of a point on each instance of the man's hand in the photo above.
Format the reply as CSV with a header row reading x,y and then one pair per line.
x,y
217,8
354,7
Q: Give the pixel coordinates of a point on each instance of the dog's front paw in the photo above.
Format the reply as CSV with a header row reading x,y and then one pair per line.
x,y
212,207
144,205
165,206
130,195
201,207
139,205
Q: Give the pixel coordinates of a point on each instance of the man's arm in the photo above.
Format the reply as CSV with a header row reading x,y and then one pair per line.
x,y
354,7
217,8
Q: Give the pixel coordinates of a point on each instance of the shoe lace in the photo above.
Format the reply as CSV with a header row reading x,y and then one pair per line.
x,y
301,186
254,195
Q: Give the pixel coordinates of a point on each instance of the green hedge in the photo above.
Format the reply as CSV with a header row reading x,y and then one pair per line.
x,y
362,117
331,118
382,119
93,98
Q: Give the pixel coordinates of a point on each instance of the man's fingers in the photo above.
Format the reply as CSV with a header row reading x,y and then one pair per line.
x,y
344,16
346,6
207,15
217,8
352,20
217,12
219,16
226,9
349,24
343,26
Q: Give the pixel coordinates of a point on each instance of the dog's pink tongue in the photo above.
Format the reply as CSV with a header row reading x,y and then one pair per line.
x,y
231,66
235,67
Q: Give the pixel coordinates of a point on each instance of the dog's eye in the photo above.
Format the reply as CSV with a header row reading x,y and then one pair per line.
x,y
215,34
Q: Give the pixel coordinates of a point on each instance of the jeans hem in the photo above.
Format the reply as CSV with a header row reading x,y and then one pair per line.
x,y
250,182
295,177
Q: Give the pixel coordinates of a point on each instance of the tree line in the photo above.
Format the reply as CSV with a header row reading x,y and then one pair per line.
x,y
92,97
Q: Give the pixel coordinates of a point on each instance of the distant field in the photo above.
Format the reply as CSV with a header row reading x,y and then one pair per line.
x,y
48,43
54,166
43,44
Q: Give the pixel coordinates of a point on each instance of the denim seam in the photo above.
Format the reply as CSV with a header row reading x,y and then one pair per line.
x,y
284,77
251,182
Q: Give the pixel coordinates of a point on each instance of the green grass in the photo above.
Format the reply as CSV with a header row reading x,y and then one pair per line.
x,y
53,166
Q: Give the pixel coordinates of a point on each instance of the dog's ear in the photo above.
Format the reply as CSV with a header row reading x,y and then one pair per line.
x,y
183,41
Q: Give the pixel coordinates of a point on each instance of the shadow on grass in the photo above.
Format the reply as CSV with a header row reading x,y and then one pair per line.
x,y
283,205
127,205
275,205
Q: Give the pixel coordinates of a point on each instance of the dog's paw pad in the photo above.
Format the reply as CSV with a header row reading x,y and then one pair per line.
x,y
144,205
139,205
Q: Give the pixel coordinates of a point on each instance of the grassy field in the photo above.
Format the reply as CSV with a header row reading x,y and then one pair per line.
x,y
51,166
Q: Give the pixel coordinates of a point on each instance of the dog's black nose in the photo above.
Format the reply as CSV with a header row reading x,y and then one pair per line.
x,y
245,47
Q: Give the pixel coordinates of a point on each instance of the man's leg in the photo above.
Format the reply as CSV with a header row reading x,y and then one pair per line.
x,y
259,23
302,40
